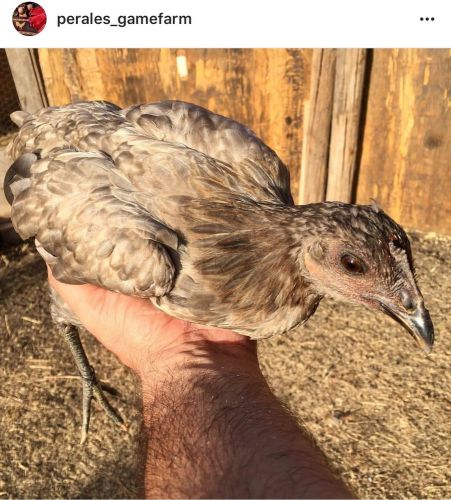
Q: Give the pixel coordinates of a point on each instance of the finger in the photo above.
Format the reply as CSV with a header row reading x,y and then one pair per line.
x,y
96,307
98,310
91,303
79,298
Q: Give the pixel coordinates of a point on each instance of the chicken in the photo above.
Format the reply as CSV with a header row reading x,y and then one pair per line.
x,y
171,202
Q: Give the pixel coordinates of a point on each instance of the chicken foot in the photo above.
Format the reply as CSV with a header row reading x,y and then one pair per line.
x,y
91,386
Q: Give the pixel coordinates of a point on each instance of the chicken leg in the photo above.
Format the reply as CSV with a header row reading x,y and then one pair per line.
x,y
91,387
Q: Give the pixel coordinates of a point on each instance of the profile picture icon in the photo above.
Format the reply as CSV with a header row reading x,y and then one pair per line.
x,y
29,18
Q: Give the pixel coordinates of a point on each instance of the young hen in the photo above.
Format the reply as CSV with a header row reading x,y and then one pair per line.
x,y
191,210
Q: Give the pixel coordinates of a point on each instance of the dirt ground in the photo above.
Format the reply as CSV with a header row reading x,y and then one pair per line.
x,y
378,407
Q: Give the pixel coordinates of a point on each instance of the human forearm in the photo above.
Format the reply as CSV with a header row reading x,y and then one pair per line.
x,y
215,430
213,427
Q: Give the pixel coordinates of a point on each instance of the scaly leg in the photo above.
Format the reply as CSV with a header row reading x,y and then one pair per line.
x,y
91,387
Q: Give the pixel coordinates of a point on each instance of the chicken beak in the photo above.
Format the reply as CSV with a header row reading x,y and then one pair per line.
x,y
418,323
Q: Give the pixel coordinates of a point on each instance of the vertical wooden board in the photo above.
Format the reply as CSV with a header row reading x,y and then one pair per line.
x,y
345,126
25,71
318,118
406,152
263,88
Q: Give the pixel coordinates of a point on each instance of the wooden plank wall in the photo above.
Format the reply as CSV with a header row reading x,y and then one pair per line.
x,y
264,89
406,150
27,77
404,153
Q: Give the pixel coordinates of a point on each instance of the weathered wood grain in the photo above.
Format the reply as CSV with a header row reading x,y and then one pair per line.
x,y
406,156
263,88
27,78
404,159
344,135
315,152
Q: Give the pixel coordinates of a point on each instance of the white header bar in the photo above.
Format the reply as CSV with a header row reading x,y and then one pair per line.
x,y
235,23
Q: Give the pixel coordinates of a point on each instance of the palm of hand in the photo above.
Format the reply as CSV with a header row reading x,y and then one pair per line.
x,y
133,328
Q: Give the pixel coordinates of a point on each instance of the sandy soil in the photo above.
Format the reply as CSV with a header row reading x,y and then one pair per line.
x,y
377,406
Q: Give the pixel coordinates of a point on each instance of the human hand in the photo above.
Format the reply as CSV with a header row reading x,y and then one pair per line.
x,y
214,400
139,334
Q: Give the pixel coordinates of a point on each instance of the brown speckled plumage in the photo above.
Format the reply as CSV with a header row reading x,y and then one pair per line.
x,y
190,209
130,199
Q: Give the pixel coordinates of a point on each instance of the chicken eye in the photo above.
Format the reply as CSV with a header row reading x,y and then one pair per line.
x,y
351,264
